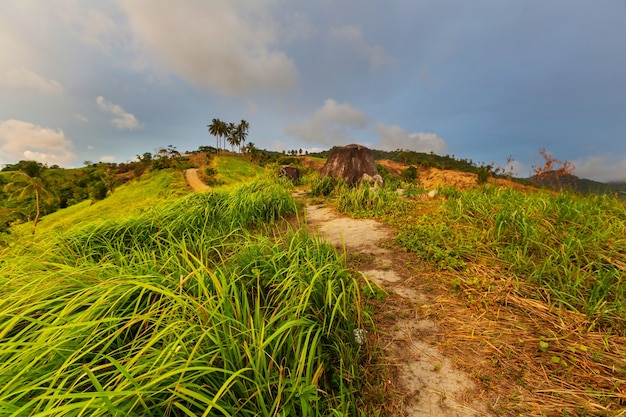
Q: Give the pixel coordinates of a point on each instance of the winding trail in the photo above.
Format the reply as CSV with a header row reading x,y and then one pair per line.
x,y
191,176
426,382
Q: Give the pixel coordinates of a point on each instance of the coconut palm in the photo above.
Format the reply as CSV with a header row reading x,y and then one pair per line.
x,y
25,184
251,150
215,129
242,133
231,137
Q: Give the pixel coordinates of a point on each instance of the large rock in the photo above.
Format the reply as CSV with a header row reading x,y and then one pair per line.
x,y
349,163
290,172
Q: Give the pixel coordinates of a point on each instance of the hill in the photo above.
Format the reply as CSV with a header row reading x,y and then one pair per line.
x,y
156,298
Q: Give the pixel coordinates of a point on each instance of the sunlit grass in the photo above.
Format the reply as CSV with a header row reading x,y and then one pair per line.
x,y
235,169
569,247
150,190
182,309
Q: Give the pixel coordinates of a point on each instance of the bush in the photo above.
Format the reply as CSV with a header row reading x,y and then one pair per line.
x,y
410,174
323,187
483,174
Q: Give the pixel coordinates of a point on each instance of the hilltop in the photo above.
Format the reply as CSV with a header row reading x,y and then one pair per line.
x,y
516,290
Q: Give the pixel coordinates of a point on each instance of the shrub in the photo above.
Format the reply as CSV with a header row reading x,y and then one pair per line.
x,y
483,174
410,174
323,187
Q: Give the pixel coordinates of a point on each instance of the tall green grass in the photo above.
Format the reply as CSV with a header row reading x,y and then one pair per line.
x,y
183,310
232,170
359,200
152,189
572,247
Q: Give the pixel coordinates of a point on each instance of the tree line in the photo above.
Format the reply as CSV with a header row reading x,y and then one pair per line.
x,y
234,134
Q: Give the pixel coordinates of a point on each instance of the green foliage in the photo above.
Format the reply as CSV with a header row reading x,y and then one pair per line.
x,y
448,191
209,176
390,182
410,174
569,246
324,186
129,200
363,201
232,170
181,310
483,174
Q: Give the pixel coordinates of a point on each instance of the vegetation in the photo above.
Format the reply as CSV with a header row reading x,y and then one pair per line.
x,y
154,302
543,272
193,307
567,245
235,135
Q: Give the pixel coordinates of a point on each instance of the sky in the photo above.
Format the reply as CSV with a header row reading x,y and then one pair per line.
x,y
107,80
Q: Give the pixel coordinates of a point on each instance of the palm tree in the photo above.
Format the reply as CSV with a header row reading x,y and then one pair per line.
x,y
25,184
224,131
251,149
215,129
242,133
231,137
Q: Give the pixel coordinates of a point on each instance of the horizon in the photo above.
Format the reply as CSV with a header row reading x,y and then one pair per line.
x,y
105,81
306,153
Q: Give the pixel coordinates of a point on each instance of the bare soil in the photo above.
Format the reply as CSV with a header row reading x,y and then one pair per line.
x,y
424,382
191,175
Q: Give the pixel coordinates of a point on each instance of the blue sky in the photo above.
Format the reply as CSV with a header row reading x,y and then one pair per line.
x,y
107,80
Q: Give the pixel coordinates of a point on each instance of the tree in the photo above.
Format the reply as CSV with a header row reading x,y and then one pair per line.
x,y
549,173
242,132
231,136
25,184
214,130
218,129
251,150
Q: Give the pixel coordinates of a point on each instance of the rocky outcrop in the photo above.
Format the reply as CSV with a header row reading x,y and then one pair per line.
x,y
290,172
349,163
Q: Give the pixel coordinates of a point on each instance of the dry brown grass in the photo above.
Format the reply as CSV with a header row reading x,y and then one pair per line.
x,y
532,358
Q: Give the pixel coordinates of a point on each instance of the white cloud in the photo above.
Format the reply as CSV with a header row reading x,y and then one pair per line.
x,y
92,26
21,54
81,117
375,55
226,46
394,137
121,119
25,79
330,125
21,140
604,168
107,158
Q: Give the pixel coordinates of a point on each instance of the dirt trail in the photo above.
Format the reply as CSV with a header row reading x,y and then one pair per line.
x,y
426,382
191,175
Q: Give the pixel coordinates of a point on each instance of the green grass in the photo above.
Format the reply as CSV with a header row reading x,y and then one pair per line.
x,y
151,190
183,309
569,248
232,170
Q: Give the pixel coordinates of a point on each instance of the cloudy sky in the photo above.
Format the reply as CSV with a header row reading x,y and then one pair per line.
x,y
106,80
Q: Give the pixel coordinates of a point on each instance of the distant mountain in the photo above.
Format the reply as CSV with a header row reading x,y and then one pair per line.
x,y
582,185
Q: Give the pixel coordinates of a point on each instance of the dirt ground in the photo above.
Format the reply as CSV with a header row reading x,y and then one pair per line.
x,y
191,175
424,381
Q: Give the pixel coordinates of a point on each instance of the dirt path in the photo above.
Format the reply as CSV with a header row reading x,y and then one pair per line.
x,y
191,175
425,381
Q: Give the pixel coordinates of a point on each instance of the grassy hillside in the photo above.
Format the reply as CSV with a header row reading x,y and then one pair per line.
x,y
532,287
151,190
234,169
148,303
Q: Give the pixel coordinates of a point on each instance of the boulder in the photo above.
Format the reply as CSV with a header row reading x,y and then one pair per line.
x,y
290,172
349,163
376,180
